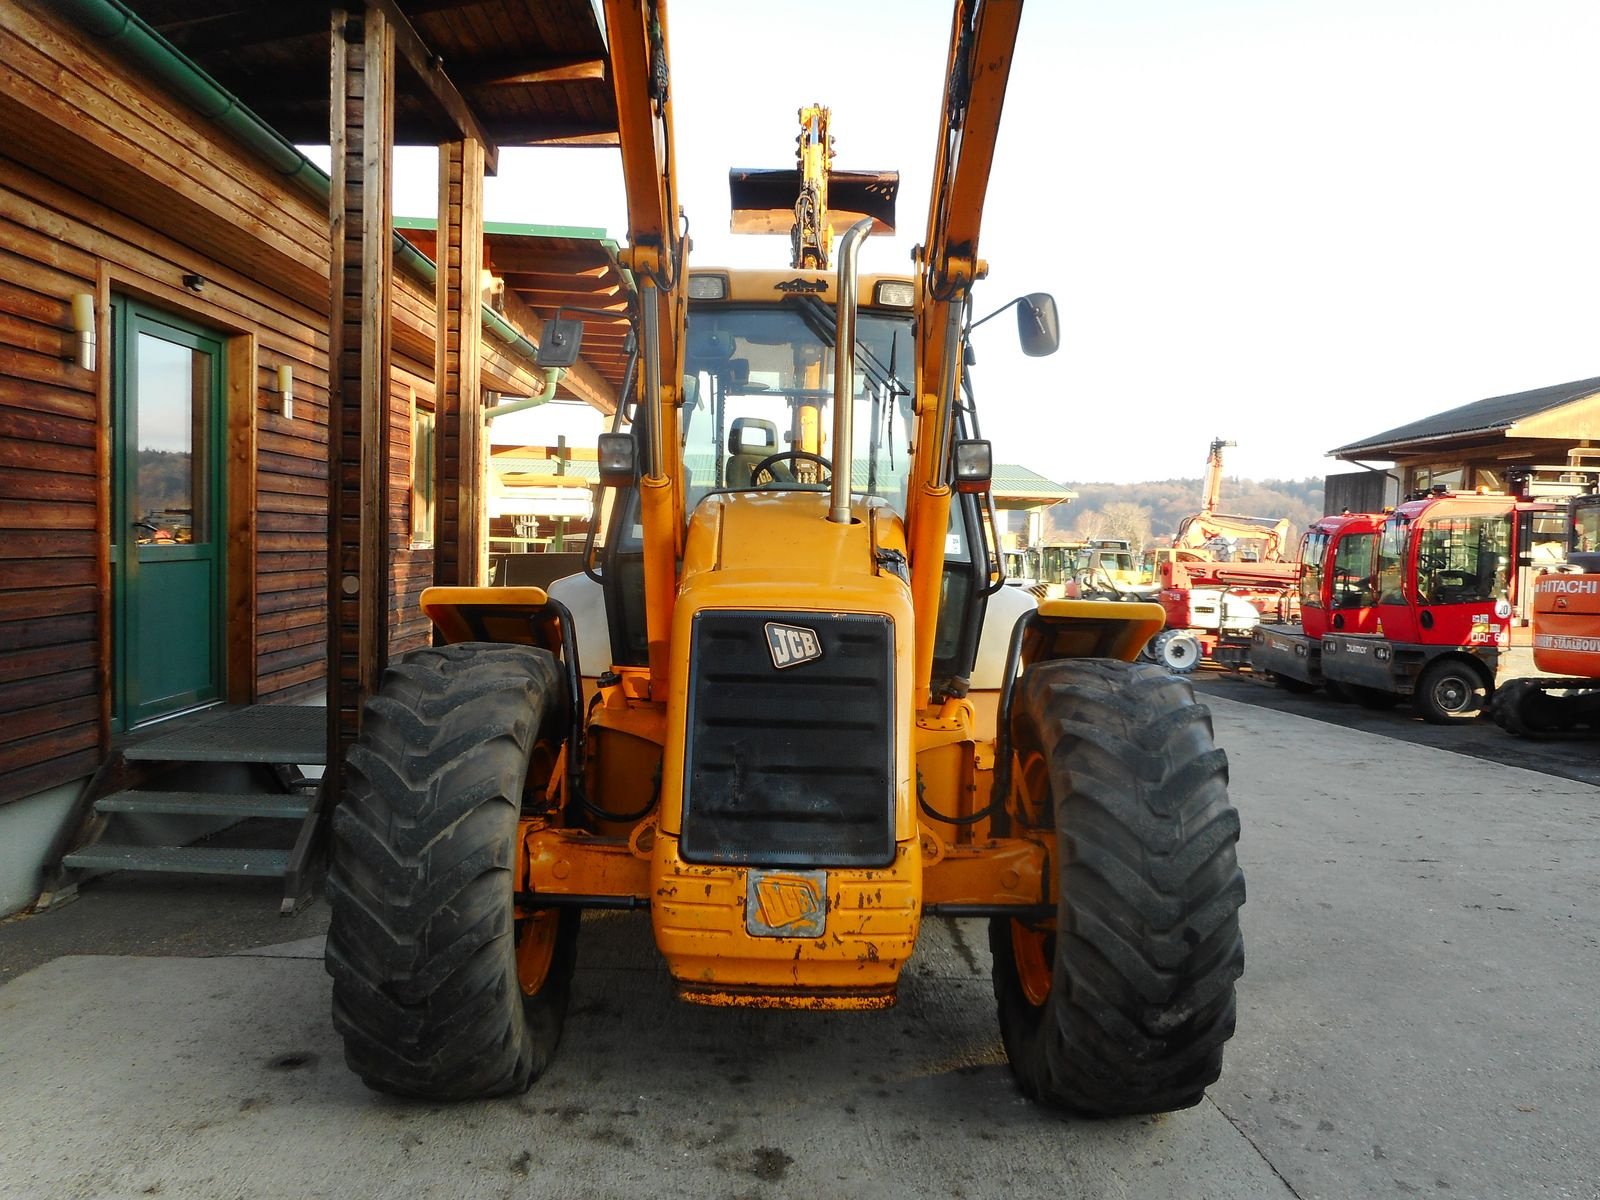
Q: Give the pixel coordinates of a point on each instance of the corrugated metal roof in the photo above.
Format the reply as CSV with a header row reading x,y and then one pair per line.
x,y
1481,416
1011,482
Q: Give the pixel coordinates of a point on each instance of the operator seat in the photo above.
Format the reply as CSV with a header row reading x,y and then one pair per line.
x,y
751,439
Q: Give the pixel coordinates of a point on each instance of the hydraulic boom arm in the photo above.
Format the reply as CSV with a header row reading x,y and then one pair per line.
x,y
982,41
656,251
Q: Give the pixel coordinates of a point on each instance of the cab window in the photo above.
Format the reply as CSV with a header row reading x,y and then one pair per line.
x,y
1352,570
1311,552
1464,559
1392,562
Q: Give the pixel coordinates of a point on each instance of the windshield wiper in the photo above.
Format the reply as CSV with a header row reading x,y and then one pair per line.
x,y
820,320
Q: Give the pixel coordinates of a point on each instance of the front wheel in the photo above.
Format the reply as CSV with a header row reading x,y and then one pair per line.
x,y
440,990
1450,690
1122,1003
1178,650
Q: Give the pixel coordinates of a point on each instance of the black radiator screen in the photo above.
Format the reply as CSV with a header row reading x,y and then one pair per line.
x,y
790,755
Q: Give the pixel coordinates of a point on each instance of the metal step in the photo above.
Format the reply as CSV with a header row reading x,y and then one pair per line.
x,y
289,806
261,733
194,860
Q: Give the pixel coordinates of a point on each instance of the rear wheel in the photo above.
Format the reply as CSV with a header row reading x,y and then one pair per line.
x,y
1450,689
1178,650
1122,1003
438,990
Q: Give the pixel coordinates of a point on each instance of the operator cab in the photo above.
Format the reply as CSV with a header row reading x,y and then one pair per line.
x,y
759,364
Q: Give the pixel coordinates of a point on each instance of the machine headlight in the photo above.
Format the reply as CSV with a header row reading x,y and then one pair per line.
x,y
891,293
708,287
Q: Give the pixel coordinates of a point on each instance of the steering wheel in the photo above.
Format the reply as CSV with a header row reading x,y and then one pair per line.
x,y
772,460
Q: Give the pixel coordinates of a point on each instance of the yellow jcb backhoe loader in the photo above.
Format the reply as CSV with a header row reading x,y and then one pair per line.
x,y
796,741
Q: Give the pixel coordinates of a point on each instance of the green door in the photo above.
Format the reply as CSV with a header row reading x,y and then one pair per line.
x,y
166,518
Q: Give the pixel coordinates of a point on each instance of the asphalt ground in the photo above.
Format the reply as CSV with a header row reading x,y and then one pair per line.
x,y
1416,1017
1569,756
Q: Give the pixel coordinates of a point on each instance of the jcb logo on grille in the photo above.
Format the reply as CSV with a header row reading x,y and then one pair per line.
x,y
792,645
787,903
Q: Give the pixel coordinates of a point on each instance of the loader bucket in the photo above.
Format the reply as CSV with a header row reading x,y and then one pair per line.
x,y
763,201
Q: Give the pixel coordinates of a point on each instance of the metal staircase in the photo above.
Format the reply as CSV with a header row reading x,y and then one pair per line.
x,y
160,800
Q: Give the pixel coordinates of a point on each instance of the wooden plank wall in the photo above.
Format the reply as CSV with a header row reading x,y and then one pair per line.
x,y
412,568
109,187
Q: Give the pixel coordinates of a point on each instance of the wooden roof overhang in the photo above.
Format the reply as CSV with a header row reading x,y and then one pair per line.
x,y
507,72
547,269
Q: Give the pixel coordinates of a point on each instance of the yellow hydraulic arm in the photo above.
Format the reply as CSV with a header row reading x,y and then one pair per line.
x,y
637,30
982,42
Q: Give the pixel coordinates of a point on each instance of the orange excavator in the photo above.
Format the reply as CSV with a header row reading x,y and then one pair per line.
x,y
1566,640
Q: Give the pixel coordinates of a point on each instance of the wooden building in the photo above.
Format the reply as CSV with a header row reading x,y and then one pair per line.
x,y
188,306
1488,443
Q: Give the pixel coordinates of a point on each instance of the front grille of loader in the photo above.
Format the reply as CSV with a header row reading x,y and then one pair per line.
x,y
790,767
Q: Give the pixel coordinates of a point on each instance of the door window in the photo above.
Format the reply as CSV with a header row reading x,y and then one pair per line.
x,y
1464,559
1352,571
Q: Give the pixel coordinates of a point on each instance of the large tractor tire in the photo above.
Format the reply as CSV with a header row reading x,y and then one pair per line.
x,y
439,992
1123,1003
1451,689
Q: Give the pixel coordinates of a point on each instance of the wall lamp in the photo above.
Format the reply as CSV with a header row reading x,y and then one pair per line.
x,y
286,389
83,326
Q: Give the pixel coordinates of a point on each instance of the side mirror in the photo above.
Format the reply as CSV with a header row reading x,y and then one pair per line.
x,y
1037,325
618,459
558,347
974,465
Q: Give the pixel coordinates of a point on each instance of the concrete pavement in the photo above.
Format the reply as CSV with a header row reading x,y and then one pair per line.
x,y
1416,1017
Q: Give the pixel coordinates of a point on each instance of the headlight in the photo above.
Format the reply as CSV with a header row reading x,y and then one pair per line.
x,y
708,287
895,294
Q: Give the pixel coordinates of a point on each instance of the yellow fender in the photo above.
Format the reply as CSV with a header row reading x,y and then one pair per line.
x,y
1090,629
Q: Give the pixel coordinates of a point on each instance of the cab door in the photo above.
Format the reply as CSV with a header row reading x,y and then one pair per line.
x,y
166,529
1352,583
1463,573
1395,614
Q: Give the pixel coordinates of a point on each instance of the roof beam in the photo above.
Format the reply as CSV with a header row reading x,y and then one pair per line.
x,y
248,25
429,70
542,132
503,72
508,259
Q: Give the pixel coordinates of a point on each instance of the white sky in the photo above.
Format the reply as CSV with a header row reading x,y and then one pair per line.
x,y
1292,224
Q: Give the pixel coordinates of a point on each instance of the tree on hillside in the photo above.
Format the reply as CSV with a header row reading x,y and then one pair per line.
x,y
1090,524
1125,520
1167,501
